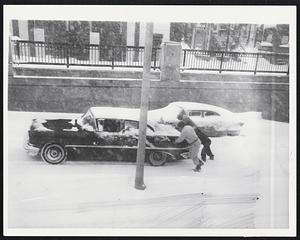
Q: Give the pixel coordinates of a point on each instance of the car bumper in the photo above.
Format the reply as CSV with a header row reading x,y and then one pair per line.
x,y
31,150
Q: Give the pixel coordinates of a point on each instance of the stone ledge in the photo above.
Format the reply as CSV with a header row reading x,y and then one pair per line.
x,y
137,83
138,74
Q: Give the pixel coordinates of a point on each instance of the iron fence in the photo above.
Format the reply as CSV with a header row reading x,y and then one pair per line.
x,y
29,52
88,55
235,61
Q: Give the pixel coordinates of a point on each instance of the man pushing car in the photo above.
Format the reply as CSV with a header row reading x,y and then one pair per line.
x,y
188,133
205,140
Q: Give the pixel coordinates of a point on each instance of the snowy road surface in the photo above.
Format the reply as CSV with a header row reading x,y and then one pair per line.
x,y
101,194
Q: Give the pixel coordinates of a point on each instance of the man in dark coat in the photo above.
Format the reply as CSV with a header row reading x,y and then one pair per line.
x,y
206,142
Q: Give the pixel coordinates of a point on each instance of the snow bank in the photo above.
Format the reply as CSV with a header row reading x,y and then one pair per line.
x,y
248,116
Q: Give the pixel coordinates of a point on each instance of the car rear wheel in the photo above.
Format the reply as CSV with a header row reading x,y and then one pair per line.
x,y
53,153
157,158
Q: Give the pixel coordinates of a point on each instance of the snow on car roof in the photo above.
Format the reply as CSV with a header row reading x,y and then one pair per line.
x,y
116,113
200,106
119,113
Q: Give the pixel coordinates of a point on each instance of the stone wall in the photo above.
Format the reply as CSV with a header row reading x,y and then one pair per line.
x,y
69,90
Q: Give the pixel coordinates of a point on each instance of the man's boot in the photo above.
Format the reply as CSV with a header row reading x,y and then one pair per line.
x,y
198,168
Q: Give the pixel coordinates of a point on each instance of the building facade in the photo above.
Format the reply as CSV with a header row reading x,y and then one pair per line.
x,y
202,36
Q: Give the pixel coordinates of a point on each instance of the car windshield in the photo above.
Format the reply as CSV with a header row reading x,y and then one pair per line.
x,y
86,121
119,125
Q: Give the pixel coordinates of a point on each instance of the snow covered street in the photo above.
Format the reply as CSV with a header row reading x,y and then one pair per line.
x,y
236,190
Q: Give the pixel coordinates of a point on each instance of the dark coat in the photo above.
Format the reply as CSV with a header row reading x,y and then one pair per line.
x,y
202,136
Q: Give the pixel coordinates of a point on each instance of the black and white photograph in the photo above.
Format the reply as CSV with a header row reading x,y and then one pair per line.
x,y
149,120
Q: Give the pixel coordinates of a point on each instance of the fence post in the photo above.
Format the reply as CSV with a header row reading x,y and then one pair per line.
x,y
154,67
113,58
257,54
18,50
222,56
184,56
11,52
68,53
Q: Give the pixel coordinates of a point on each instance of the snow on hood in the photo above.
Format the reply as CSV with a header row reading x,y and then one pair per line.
x,y
40,120
38,126
166,130
160,130
164,115
53,125
73,129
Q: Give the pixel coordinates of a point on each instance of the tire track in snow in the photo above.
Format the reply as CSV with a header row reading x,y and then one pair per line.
x,y
166,201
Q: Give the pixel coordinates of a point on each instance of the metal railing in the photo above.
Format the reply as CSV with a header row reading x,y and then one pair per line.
x,y
235,61
88,55
28,52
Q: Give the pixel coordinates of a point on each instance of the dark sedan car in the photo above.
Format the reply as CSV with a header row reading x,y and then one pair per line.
x,y
101,129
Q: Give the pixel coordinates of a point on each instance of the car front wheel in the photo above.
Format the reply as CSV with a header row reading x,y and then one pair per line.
x,y
157,158
53,153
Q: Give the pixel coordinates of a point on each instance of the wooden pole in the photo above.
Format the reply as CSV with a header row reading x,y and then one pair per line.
x,y
139,175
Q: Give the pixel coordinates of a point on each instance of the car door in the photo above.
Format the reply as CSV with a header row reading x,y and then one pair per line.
x,y
213,119
117,138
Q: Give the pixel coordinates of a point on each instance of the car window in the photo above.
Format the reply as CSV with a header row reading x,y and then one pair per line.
x,y
195,113
112,125
210,113
87,121
131,124
100,124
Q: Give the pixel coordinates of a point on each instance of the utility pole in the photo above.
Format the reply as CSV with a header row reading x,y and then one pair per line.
x,y
140,159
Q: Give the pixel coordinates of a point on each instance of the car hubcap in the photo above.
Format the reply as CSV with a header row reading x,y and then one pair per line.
x,y
157,156
54,154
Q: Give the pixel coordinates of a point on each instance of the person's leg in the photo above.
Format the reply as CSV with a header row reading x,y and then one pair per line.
x,y
194,151
209,152
204,152
193,154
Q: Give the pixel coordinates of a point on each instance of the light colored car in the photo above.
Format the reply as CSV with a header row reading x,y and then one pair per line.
x,y
212,120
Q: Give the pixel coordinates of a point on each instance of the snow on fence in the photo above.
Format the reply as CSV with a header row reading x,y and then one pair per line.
x,y
28,52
